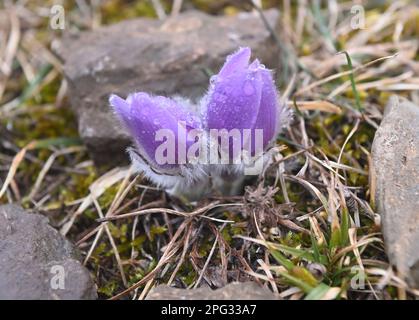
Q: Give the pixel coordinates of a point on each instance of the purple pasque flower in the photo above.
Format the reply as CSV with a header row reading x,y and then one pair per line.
x,y
243,96
145,116
152,119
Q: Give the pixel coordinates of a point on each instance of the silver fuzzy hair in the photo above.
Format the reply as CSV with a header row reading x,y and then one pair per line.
x,y
286,116
191,182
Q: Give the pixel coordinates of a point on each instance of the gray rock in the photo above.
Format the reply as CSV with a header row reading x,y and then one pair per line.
x,y
169,58
233,291
395,154
34,256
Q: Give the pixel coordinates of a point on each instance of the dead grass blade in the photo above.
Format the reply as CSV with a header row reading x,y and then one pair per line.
x,y
13,167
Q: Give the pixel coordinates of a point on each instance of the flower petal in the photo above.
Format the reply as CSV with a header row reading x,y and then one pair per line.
x,y
269,109
144,115
235,62
121,107
233,102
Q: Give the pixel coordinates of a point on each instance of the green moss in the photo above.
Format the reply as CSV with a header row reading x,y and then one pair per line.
x,y
156,230
114,11
109,288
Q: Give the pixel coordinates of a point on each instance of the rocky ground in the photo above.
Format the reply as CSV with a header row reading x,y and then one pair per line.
x,y
334,217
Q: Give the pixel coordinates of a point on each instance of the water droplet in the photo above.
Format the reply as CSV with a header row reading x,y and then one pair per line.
x,y
248,88
213,79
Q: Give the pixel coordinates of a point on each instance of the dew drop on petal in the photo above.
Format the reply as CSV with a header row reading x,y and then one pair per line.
x,y
248,88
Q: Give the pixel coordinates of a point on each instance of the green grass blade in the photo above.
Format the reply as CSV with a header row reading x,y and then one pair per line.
x,y
282,260
296,253
321,291
297,282
352,79
61,141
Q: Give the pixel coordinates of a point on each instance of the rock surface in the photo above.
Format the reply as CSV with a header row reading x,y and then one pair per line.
x,y
174,57
233,291
395,155
34,256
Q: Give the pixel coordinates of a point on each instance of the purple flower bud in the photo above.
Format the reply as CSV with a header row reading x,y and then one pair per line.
x,y
145,116
243,96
